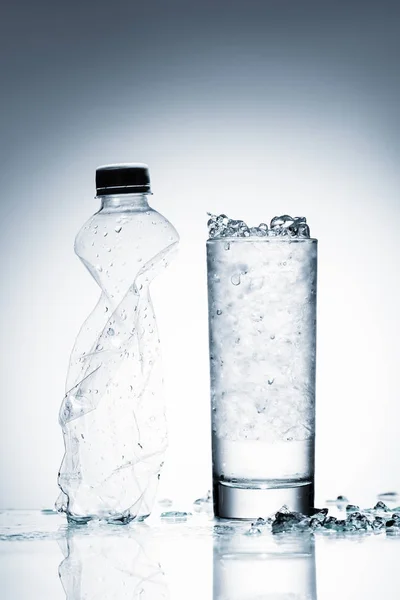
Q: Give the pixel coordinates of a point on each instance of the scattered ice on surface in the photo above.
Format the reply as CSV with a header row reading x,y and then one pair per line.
x,y
175,516
224,529
203,504
260,522
388,496
289,521
393,526
378,523
340,500
220,226
381,506
356,521
253,531
165,502
352,508
330,523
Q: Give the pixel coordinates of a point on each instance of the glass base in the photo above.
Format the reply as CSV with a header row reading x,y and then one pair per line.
x,y
250,500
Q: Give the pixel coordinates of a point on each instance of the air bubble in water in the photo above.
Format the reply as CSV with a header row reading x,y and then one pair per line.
x,y
235,279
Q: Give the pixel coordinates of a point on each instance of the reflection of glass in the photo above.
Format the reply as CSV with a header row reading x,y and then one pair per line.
x,y
262,306
264,568
111,565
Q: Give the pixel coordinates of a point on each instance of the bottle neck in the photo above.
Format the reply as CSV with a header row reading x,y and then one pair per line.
x,y
120,202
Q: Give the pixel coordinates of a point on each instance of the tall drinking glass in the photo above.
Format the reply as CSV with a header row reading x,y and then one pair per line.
x,y
262,327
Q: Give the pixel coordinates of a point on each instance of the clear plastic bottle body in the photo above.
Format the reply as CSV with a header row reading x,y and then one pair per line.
x,y
262,319
112,415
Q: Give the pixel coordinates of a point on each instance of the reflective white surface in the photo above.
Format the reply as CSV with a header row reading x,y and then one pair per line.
x,y
197,559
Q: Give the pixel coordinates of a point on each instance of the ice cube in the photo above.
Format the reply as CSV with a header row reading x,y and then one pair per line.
x,y
303,231
356,521
281,222
253,531
381,506
378,523
352,508
174,515
287,521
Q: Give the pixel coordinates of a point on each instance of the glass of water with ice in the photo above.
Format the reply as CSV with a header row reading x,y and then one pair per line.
x,y
262,329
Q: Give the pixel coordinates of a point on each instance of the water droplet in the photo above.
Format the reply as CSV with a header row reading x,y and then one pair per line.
x,y
227,246
108,249
105,233
272,336
284,263
235,279
99,347
219,312
106,309
95,391
111,331
139,259
118,229
271,381
99,268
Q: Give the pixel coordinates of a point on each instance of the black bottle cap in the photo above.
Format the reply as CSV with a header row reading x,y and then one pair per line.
x,y
131,178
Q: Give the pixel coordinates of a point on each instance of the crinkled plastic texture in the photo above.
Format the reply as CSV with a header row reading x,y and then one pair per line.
x,y
112,415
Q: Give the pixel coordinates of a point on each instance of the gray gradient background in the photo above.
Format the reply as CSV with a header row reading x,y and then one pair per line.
x,y
252,108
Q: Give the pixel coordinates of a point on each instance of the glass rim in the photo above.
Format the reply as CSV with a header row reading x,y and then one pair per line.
x,y
264,238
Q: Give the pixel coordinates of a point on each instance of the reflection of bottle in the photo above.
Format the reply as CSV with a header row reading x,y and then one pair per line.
x,y
101,564
112,415
264,568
